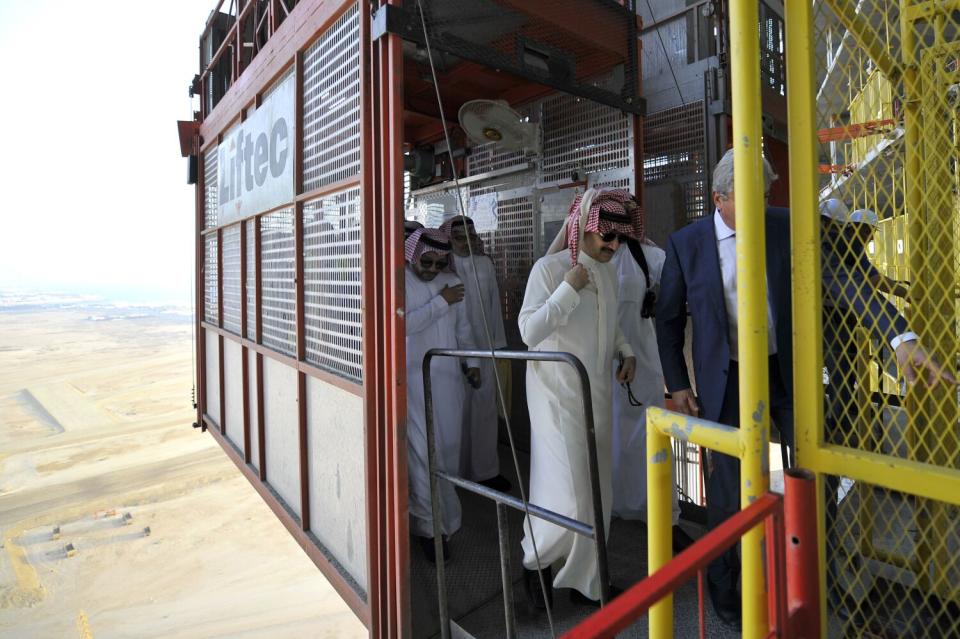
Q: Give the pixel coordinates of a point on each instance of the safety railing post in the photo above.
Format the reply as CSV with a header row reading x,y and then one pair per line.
x,y
659,520
503,534
803,575
596,532
435,502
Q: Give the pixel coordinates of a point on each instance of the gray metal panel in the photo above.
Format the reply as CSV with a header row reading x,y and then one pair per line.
x,y
231,279
332,284
337,484
331,108
251,277
675,151
233,391
282,426
277,266
211,355
580,133
210,293
211,195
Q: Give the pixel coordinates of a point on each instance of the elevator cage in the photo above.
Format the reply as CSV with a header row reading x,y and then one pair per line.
x,y
306,109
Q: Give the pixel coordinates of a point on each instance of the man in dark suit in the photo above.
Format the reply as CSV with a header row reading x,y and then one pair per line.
x,y
700,273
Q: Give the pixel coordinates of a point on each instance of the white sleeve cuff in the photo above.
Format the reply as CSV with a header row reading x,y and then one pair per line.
x,y
626,351
566,297
909,336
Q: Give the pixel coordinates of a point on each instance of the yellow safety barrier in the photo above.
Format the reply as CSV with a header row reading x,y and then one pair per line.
x,y
886,452
750,442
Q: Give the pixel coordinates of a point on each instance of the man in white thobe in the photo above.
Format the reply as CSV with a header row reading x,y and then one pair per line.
x,y
570,305
639,264
478,454
435,318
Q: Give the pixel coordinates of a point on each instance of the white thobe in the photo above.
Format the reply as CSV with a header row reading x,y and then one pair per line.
x,y
478,455
555,317
630,422
432,323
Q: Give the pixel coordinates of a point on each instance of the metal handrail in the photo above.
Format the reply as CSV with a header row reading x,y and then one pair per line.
x,y
595,532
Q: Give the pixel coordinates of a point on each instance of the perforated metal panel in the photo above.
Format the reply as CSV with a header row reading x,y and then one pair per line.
x,y
488,157
331,109
211,196
231,278
580,133
277,274
675,150
210,297
511,246
332,284
251,277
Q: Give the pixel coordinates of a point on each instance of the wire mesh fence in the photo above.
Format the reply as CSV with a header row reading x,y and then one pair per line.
x,y
887,81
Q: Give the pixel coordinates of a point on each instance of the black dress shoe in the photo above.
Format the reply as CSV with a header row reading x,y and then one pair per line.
x,y
430,551
681,540
726,604
578,598
499,482
535,594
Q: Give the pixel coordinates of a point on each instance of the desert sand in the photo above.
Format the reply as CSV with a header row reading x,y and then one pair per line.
x,y
96,439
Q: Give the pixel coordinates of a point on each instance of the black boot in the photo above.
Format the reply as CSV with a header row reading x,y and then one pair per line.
x,y
430,552
535,594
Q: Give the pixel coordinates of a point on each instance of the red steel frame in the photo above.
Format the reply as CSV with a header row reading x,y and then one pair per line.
x,y
634,603
385,611
792,571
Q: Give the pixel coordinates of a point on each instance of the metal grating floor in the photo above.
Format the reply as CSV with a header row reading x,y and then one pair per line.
x,y
473,579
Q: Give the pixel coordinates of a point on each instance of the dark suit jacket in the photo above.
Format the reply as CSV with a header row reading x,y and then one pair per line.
x,y
691,278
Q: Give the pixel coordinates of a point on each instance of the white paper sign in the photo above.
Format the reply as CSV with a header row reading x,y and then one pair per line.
x,y
255,160
483,210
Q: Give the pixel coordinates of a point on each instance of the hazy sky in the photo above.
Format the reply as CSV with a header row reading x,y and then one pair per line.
x,y
95,196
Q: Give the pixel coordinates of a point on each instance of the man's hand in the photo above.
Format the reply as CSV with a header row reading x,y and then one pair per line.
x,y
452,294
473,377
685,402
627,370
914,360
577,277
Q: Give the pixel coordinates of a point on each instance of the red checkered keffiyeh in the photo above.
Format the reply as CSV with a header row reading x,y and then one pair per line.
x,y
601,211
426,241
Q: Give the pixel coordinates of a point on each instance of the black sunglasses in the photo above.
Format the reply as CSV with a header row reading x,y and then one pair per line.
x,y
613,235
426,263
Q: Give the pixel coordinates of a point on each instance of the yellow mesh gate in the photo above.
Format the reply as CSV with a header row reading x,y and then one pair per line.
x,y
874,188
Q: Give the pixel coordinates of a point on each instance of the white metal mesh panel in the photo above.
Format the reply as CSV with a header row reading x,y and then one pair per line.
x,y
277,275
332,284
578,132
211,197
210,297
231,278
511,246
331,109
251,277
487,157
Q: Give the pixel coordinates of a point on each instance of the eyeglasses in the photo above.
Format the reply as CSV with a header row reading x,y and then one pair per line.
x,y
438,265
613,235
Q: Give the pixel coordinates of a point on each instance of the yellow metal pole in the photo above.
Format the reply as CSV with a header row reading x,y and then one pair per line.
x,y
749,190
805,237
719,437
659,520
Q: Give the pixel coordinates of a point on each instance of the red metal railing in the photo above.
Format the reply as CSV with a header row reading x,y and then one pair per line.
x,y
791,566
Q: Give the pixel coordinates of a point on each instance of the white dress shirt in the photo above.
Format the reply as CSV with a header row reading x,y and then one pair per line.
x,y
727,251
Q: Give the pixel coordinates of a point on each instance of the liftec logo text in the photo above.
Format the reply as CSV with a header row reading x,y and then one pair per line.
x,y
255,160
